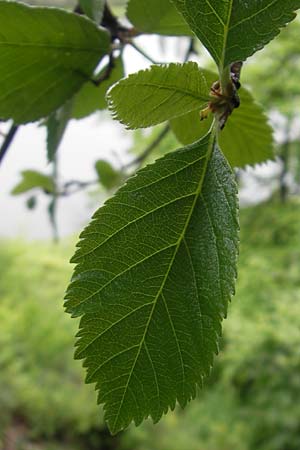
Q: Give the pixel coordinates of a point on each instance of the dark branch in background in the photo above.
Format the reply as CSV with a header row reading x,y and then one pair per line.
x,y
9,137
116,29
191,49
111,23
144,54
106,74
74,186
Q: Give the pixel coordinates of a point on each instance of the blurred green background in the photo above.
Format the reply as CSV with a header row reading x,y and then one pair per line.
x,y
252,399
250,402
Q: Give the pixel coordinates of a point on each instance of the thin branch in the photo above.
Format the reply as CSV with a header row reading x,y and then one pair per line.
x,y
141,51
107,72
149,149
7,141
73,186
191,49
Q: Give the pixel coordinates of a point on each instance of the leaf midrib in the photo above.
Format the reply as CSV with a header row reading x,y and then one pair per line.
x,y
226,32
180,239
180,90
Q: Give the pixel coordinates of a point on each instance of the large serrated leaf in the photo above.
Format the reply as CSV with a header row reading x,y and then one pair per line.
x,y
155,271
46,54
247,138
232,30
158,94
157,16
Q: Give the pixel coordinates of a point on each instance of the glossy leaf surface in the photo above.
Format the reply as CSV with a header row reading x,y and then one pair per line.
x,y
155,270
46,54
232,30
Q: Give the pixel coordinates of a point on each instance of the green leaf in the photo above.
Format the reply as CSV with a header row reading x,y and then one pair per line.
x,y
32,179
56,126
247,138
31,202
93,9
232,30
108,176
155,270
157,16
189,128
46,54
158,94
91,98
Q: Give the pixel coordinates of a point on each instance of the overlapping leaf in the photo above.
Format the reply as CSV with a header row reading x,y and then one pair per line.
x,y
46,54
57,124
160,93
32,179
246,139
232,30
157,16
108,176
155,271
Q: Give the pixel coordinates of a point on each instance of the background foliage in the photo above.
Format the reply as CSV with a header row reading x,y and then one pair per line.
x,y
248,403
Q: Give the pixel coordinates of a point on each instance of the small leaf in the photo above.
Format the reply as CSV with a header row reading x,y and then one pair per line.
x,y
93,9
91,98
56,126
108,176
157,16
247,138
155,270
31,202
158,94
46,54
233,30
32,179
